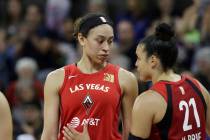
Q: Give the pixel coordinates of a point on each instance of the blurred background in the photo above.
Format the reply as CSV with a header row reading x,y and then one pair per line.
x,y
36,38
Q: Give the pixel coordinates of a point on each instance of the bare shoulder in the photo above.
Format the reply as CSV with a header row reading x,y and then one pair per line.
x,y
3,101
123,73
58,73
205,93
127,81
153,102
149,97
4,105
126,76
5,119
55,78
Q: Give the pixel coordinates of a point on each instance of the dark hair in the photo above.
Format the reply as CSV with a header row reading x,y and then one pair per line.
x,y
163,45
86,23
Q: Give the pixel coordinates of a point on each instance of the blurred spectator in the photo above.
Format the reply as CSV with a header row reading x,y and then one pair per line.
x,y
43,48
24,93
187,28
125,41
136,13
202,66
4,68
79,8
119,58
26,87
34,18
56,12
14,11
115,8
66,34
32,122
188,33
97,6
205,27
67,43
165,8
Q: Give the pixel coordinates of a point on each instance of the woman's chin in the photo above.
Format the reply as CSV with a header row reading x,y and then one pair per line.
x,y
144,79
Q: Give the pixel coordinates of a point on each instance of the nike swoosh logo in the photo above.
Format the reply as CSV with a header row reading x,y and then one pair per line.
x,y
72,76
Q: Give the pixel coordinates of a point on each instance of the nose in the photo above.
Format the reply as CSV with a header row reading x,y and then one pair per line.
x,y
106,46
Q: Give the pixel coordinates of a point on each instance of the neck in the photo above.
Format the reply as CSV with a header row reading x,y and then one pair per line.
x,y
86,65
169,75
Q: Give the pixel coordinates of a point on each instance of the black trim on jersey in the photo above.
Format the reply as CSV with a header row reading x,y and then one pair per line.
x,y
165,124
198,92
132,137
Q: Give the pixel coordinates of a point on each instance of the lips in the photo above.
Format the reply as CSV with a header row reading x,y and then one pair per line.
x,y
103,56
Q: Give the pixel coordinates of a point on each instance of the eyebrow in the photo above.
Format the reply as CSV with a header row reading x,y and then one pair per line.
x,y
102,36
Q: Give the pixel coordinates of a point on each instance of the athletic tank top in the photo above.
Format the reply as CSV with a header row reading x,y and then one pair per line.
x,y
185,117
92,99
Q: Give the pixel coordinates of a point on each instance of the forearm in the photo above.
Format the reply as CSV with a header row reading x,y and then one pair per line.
x,y
125,135
49,136
6,136
125,132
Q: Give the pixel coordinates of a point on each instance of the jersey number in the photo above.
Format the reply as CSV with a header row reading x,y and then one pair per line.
x,y
186,125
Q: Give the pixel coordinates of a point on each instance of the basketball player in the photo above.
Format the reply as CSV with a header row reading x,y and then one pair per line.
x,y
5,119
176,107
92,92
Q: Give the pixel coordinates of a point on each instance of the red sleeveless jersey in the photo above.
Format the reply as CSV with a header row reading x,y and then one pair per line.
x,y
185,117
92,99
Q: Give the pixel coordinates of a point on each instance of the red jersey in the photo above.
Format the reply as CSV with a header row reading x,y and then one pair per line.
x,y
185,117
92,99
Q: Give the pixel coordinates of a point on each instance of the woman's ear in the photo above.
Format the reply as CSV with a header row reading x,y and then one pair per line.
x,y
154,61
81,39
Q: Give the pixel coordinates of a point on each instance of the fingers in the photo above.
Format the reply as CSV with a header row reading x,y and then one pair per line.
x,y
67,134
72,134
72,130
64,138
85,129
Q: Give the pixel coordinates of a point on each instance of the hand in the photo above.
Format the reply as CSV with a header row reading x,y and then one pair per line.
x,y
72,134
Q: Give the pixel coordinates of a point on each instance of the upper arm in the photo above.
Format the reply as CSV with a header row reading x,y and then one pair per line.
x,y
5,119
208,115
141,117
51,104
206,96
149,108
207,100
129,86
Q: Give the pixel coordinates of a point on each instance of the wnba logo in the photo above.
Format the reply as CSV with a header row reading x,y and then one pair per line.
x,y
75,122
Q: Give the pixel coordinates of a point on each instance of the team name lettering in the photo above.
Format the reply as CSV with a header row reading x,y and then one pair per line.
x,y
196,136
89,87
77,88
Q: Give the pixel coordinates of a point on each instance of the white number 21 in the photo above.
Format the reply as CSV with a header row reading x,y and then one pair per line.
x,y
186,125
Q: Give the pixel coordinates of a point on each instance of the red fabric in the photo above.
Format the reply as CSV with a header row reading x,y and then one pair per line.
x,y
102,91
188,97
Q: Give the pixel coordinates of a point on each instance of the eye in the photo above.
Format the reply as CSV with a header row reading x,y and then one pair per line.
x,y
100,41
110,41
